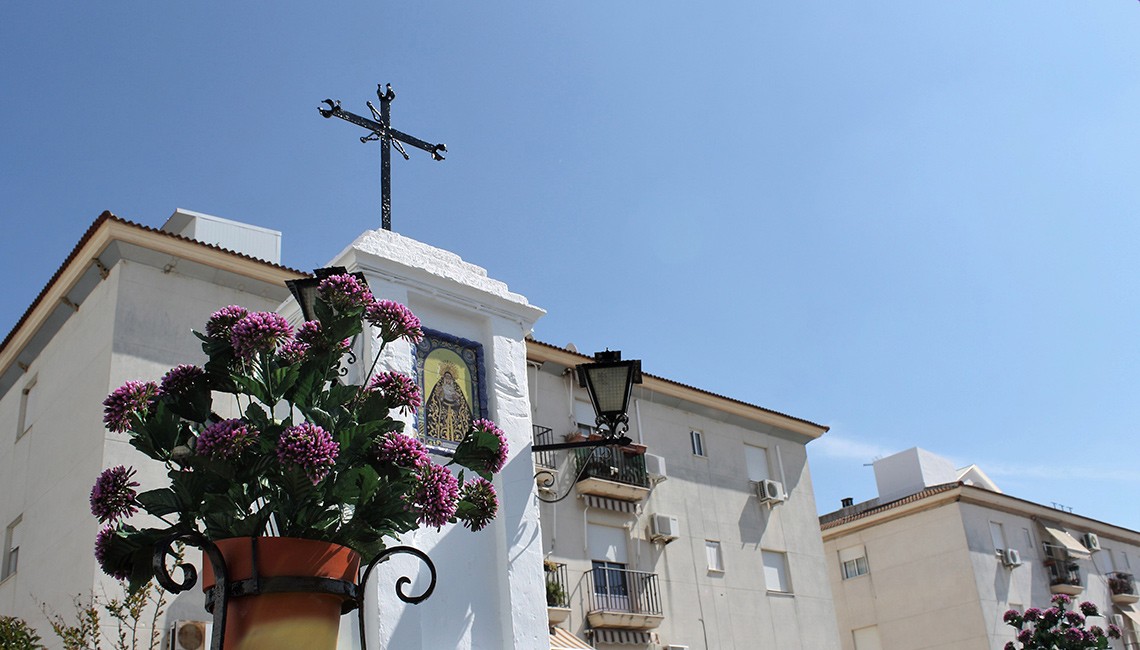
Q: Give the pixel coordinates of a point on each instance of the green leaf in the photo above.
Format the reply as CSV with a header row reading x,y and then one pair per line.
x,y
251,386
162,501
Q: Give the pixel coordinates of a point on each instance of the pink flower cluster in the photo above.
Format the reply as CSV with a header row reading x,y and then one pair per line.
x,y
495,464
113,495
309,448
395,321
130,399
401,451
481,495
180,379
260,331
221,323
226,439
398,390
342,292
436,494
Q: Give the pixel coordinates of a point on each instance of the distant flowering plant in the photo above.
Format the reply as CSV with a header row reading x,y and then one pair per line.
x,y
308,456
1060,627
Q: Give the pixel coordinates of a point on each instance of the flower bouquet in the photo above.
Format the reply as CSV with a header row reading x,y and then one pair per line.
x,y
307,455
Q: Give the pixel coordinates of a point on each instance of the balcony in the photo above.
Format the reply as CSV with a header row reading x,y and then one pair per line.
x,y
1064,572
611,472
623,599
557,599
1122,586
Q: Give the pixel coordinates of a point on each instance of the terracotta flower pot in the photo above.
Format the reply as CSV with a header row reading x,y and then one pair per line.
x,y
270,621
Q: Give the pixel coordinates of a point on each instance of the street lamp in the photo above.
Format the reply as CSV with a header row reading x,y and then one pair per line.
x,y
609,380
305,289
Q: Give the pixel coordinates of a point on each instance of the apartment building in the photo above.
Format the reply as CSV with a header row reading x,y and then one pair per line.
x,y
938,557
702,534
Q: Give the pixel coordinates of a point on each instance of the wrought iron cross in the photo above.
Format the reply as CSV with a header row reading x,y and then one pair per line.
x,y
382,130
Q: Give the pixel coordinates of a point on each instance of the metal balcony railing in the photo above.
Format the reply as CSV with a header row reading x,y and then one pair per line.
x,y
1121,584
557,594
544,436
611,464
621,590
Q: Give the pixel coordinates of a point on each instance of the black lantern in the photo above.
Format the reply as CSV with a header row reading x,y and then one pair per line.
x,y
305,289
609,380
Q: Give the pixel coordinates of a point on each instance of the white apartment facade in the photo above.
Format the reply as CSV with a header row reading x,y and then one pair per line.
x,y
666,544
942,554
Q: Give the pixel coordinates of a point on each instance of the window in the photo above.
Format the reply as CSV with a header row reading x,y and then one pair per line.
x,y
776,571
585,417
867,638
997,535
712,553
756,458
698,440
853,562
11,549
27,409
607,548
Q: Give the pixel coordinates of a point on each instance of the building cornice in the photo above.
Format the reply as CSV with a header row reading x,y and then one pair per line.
x,y
539,352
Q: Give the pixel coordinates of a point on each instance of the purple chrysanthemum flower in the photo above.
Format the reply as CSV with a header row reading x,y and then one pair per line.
x,y
481,495
1096,631
103,542
495,464
309,448
180,379
395,321
132,398
1062,598
1032,614
1113,631
401,451
1011,616
113,495
399,390
293,352
436,494
1088,608
311,334
345,291
226,439
260,331
1025,636
1009,646
221,322
1074,618
1075,635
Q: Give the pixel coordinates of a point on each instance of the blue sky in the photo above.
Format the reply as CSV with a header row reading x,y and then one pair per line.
x,y
911,221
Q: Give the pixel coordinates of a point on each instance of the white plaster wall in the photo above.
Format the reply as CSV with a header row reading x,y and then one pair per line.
x,y
490,586
713,500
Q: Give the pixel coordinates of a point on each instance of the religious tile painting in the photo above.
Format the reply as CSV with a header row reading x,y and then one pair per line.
x,y
449,371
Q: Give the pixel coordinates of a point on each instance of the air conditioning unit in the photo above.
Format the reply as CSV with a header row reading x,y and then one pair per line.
x,y
655,467
770,491
664,528
190,635
1091,541
1011,557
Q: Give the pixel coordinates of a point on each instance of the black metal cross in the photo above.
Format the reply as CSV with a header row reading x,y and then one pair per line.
x,y
382,130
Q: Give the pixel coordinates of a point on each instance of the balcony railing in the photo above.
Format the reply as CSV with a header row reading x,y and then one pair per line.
x,y
544,436
1122,586
623,591
611,464
556,585
1064,572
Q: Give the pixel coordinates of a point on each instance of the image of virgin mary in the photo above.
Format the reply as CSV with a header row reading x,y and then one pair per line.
x,y
448,415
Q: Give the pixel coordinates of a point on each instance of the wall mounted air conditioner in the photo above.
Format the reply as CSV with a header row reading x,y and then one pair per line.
x,y
190,635
664,528
770,491
1091,541
655,467
1011,557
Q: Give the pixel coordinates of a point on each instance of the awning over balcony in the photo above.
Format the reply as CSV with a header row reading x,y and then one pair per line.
x,y
561,639
623,637
1062,537
1133,616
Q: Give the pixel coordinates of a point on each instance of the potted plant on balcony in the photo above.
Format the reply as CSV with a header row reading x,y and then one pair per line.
x,y
1061,627
557,605
310,468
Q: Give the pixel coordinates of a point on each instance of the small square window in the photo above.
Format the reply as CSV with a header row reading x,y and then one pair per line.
x,y
698,440
712,552
27,408
853,562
